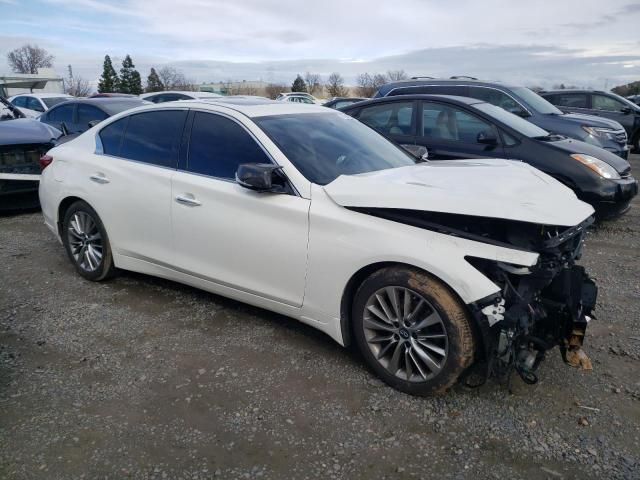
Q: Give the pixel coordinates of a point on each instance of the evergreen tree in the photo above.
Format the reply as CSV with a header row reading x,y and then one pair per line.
x,y
299,85
153,82
109,80
130,81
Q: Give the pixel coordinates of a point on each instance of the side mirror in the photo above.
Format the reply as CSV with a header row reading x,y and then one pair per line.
x,y
93,123
487,137
259,177
626,110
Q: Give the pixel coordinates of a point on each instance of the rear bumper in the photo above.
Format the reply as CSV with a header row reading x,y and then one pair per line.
x,y
18,195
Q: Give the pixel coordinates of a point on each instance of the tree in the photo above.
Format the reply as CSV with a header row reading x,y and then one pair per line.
x,y
396,75
29,58
130,81
299,85
76,86
274,89
314,83
173,79
368,84
109,80
335,86
153,82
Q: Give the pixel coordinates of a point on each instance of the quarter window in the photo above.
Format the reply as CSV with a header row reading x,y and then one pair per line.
x,y
219,145
602,102
393,118
445,122
154,137
111,136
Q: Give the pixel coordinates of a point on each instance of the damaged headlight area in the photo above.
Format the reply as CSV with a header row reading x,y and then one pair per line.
x,y
538,307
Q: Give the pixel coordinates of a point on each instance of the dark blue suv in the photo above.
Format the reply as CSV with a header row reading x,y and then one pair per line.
x,y
602,132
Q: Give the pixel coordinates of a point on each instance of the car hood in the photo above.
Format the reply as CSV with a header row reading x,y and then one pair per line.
x,y
26,131
592,121
570,146
484,188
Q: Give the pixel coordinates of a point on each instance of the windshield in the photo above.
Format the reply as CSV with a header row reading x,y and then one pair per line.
x,y
323,146
626,101
519,124
51,101
535,101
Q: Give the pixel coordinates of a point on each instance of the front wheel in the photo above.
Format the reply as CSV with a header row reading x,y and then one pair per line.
x,y
412,330
86,242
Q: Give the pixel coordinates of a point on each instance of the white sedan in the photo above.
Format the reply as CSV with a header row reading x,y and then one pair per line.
x,y
426,266
34,104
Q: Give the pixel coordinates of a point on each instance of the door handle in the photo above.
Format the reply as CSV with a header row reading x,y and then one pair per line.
x,y
99,178
188,199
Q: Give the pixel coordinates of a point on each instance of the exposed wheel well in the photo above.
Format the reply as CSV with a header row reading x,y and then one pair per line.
x,y
354,283
62,210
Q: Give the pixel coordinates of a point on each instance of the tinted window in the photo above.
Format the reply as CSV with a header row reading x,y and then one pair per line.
x,y
575,100
458,90
534,101
323,146
446,122
87,113
154,137
167,97
603,102
393,118
20,102
111,136
497,98
34,104
218,145
62,113
51,101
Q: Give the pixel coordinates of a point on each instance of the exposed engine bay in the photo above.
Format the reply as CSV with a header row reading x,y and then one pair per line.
x,y
538,307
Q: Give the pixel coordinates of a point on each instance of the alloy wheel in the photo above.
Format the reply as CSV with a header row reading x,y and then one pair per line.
x,y
405,333
85,241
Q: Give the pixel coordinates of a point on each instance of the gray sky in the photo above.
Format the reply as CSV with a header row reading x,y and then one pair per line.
x,y
587,43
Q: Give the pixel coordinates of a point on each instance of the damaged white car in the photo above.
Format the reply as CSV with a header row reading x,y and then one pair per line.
x,y
428,267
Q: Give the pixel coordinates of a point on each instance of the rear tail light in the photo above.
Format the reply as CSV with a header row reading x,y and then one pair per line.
x,y
45,161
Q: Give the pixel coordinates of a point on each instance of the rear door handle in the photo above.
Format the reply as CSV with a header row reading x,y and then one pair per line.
x,y
188,199
99,178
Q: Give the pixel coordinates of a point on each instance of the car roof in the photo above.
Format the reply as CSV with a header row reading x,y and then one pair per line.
x,y
246,105
182,92
416,82
574,90
110,105
417,96
43,95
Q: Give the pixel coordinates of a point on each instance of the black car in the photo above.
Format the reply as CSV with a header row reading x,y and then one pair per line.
x,y
76,115
341,102
602,104
456,127
523,102
23,141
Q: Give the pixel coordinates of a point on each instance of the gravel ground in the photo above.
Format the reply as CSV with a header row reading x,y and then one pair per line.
x,y
145,378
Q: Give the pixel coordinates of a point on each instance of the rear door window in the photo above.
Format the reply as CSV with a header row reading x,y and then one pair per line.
x,y
393,118
88,113
219,145
62,113
497,98
154,137
449,123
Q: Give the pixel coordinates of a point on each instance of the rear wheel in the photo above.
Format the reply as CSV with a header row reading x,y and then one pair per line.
x,y
412,330
86,242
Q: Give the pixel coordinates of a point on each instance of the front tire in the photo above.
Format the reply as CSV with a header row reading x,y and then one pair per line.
x,y
86,242
412,330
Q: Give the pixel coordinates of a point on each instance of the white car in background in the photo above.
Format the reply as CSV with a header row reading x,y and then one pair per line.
x,y
305,211
34,104
174,95
298,97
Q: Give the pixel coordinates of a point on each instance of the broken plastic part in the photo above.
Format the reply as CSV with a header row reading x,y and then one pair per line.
x,y
578,358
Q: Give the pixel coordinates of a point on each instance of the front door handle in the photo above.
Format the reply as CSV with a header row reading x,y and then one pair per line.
x,y
188,199
99,178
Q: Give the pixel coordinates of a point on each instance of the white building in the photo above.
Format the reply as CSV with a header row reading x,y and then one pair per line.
x,y
45,81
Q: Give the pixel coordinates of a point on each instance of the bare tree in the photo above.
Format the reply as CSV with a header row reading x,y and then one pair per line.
x,y
314,83
335,86
76,86
173,79
29,58
274,89
396,75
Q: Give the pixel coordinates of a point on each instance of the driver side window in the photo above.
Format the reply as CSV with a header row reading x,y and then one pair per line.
x,y
393,118
447,122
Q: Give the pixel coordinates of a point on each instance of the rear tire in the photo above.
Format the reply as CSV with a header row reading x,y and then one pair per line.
x,y
412,330
86,242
